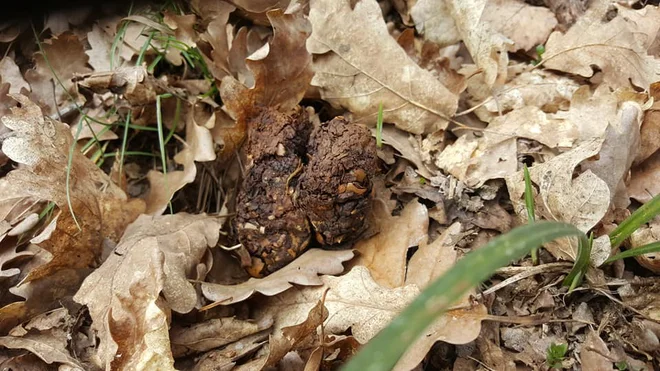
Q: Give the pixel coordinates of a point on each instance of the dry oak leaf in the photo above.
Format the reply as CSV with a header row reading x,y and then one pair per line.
x,y
403,142
282,69
385,253
645,179
494,154
355,301
303,271
581,201
526,25
358,66
63,56
618,46
102,210
12,75
650,130
449,21
45,336
643,236
157,255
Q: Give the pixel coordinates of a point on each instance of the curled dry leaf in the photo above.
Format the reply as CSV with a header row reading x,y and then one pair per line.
x,y
447,22
385,253
101,208
645,179
643,236
303,271
156,255
214,333
162,186
358,66
617,46
650,131
402,142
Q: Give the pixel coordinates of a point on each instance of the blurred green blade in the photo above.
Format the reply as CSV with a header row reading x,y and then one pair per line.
x,y
641,216
385,349
646,249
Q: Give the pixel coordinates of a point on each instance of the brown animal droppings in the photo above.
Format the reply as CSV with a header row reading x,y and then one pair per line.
x,y
263,200
335,186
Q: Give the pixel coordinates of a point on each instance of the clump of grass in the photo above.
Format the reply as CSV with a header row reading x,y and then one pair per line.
x,y
555,355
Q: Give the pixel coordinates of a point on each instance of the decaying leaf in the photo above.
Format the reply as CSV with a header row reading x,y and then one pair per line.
x,y
101,208
617,46
385,253
643,236
433,259
402,142
303,271
358,66
156,255
12,75
645,179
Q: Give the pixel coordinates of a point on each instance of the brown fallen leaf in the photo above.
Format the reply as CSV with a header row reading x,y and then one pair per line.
x,y
618,46
156,255
385,253
45,336
650,131
358,66
282,69
447,22
216,36
433,259
225,358
643,236
594,354
101,209
100,43
302,271
50,80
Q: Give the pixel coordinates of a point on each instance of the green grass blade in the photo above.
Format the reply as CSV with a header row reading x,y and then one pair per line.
x,y
379,126
529,205
581,264
385,349
641,216
646,249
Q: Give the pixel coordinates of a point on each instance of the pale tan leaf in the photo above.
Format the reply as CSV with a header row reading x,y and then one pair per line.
x,y
621,145
494,154
216,36
581,201
433,259
448,21
156,255
99,53
164,185
650,131
385,253
302,271
594,354
643,236
12,75
526,25
617,46
358,66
